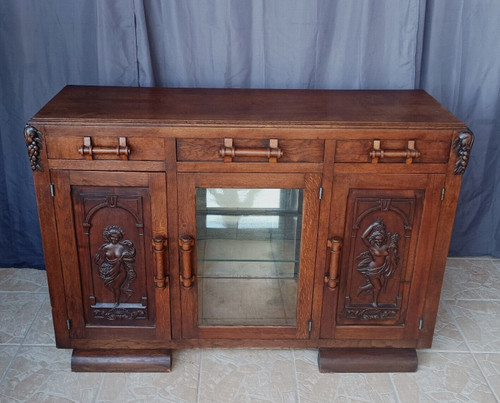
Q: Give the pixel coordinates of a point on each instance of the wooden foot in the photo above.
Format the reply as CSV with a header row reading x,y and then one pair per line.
x,y
367,360
121,360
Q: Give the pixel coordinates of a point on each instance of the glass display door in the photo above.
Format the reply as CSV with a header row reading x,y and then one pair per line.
x,y
247,247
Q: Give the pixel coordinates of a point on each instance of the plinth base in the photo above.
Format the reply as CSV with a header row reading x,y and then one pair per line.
x,y
367,360
121,360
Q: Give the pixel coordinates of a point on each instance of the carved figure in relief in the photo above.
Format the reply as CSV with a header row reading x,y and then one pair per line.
x,y
115,260
378,263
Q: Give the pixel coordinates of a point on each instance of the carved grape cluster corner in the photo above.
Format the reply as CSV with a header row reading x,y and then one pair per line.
x,y
33,139
462,147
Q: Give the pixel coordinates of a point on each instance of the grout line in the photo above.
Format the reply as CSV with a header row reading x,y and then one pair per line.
x,y
297,392
455,323
98,392
394,388
470,352
7,369
200,358
484,257
32,322
22,292
484,376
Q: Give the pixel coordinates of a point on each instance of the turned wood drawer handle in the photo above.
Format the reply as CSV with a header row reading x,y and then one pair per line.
x,y
186,244
159,247
272,153
332,276
122,150
377,153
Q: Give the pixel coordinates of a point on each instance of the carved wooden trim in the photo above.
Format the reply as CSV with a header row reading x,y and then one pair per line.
x,y
115,260
119,313
369,312
378,263
33,139
462,147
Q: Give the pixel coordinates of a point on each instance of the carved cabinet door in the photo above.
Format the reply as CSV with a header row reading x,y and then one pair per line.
x,y
375,280
112,231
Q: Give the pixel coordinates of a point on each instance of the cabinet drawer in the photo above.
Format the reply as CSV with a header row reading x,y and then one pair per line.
x,y
250,150
392,151
106,147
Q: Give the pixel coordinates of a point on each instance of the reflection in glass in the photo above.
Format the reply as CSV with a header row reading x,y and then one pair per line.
x,y
248,249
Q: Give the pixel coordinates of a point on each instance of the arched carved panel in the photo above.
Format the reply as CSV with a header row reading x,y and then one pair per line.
x,y
114,254
375,276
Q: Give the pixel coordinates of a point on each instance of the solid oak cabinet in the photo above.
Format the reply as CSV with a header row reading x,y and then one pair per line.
x,y
183,218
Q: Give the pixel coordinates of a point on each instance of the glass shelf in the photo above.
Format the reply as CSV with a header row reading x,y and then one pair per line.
x,y
248,249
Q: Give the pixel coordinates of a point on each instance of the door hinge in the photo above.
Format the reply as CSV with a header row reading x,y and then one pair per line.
x,y
420,324
310,326
443,191
68,323
320,193
52,191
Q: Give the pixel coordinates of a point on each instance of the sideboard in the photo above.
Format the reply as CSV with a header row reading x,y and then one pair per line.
x,y
200,218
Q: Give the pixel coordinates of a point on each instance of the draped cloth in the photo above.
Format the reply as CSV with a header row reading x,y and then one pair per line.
x,y
449,48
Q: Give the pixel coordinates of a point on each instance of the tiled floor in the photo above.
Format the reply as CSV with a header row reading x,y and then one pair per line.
x,y
462,366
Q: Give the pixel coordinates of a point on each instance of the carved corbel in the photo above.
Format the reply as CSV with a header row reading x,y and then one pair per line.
x,y
33,139
462,147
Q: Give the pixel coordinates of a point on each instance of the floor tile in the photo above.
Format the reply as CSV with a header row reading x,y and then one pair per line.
x,y
42,329
25,280
490,367
7,354
471,279
479,322
17,312
42,374
248,375
314,387
447,336
443,377
178,386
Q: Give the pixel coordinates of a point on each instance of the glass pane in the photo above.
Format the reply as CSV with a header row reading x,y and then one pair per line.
x,y
248,248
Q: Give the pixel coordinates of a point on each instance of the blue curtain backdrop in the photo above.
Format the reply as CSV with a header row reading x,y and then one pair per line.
x,y
450,48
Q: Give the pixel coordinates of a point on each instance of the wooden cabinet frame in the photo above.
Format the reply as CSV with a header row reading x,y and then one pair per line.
x,y
115,185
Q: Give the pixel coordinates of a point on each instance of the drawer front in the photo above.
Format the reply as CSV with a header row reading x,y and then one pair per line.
x,y
105,145
393,150
249,150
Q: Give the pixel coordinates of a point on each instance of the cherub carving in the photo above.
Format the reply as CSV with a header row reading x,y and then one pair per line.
x,y
115,260
378,263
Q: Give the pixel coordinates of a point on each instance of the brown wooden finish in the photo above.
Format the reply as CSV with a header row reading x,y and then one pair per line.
x,y
122,150
121,360
368,360
377,153
186,244
187,187
228,151
116,172
159,247
334,247
291,150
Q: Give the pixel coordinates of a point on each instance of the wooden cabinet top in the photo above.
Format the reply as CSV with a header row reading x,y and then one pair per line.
x,y
251,107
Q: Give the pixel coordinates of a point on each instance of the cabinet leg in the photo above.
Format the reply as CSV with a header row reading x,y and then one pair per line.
x,y
121,360
367,360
